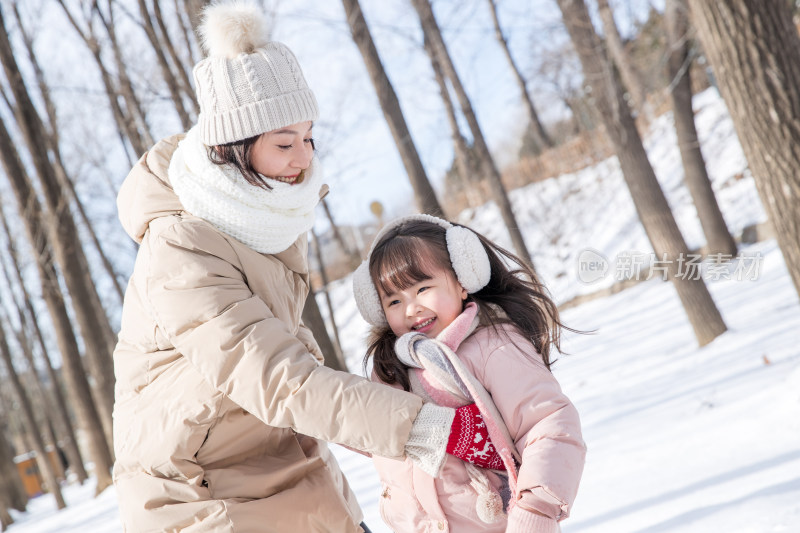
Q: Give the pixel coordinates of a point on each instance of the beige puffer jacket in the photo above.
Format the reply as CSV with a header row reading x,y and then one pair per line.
x,y
222,404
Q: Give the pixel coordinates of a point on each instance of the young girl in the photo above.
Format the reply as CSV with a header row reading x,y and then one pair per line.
x,y
222,405
452,324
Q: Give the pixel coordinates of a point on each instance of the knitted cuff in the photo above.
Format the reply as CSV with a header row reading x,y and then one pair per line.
x,y
427,442
522,521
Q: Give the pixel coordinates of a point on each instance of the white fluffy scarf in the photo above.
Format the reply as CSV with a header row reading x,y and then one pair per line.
x,y
268,221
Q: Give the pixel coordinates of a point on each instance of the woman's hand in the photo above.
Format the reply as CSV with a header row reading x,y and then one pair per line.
x,y
430,441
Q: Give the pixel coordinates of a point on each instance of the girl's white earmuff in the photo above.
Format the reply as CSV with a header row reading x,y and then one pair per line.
x,y
467,255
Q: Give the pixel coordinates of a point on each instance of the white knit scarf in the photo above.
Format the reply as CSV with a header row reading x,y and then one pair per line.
x,y
267,221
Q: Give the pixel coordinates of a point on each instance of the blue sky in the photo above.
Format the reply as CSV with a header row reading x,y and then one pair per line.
x,y
357,152
356,148
359,156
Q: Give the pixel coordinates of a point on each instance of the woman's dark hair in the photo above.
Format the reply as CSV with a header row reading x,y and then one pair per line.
x,y
409,252
237,155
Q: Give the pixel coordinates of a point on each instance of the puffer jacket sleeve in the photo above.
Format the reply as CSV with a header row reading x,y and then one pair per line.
x,y
307,338
201,301
543,423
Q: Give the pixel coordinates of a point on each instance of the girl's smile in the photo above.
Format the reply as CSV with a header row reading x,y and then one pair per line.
x,y
424,326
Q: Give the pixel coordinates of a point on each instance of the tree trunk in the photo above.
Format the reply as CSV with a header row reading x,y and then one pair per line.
x,y
59,405
187,32
95,328
52,134
718,238
132,103
66,183
78,385
312,318
353,257
648,198
11,490
194,10
431,29
631,76
461,150
43,406
31,427
184,71
173,85
338,346
5,517
423,192
754,49
124,119
540,135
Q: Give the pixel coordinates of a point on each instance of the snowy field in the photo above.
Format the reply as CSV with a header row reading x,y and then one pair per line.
x,y
680,438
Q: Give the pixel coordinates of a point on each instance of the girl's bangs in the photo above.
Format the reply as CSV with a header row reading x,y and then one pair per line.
x,y
404,262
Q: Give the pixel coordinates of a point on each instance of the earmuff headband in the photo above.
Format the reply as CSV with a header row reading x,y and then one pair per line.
x,y
467,256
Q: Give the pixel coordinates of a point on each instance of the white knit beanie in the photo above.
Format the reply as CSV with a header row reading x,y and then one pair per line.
x,y
247,85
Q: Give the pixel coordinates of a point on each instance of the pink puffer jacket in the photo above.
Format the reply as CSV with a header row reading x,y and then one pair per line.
x,y
546,431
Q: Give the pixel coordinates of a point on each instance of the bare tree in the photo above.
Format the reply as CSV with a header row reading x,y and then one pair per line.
x,y
461,150
352,255
58,403
631,76
648,198
52,135
754,49
560,68
12,494
187,30
94,325
123,80
312,318
431,29
540,134
11,487
31,427
77,383
5,517
193,10
124,116
182,67
159,44
37,390
423,192
718,238
331,316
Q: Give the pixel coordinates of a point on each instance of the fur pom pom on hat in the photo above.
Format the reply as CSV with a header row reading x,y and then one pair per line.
x,y
233,29
467,256
248,84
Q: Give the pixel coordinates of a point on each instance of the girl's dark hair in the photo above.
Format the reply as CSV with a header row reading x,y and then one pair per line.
x,y
237,155
407,254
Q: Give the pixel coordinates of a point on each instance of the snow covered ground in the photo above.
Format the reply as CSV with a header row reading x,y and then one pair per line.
x,y
680,438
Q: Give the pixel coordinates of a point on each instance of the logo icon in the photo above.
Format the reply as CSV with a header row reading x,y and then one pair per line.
x,y
592,266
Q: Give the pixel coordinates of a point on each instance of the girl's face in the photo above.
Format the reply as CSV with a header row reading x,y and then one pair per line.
x,y
427,306
283,154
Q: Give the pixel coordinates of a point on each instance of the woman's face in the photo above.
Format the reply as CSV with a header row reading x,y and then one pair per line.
x,y
283,154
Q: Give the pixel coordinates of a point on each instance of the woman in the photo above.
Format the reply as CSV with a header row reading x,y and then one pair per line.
x,y
222,404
